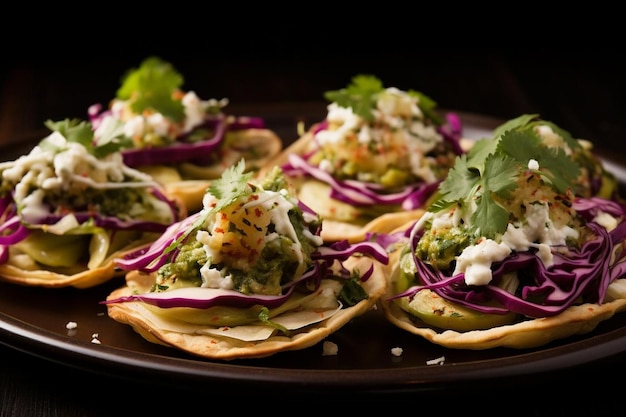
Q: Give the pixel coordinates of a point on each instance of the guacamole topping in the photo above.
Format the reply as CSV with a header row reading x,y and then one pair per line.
x,y
252,256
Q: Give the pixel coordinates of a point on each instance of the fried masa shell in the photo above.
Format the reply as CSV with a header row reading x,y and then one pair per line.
x,y
78,276
188,182
307,190
531,333
211,346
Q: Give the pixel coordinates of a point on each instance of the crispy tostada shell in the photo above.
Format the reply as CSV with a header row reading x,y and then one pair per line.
x,y
188,182
213,342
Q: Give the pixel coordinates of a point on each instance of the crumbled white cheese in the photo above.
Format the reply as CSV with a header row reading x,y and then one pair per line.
x,y
94,339
329,349
606,220
71,325
533,164
437,361
398,126
397,351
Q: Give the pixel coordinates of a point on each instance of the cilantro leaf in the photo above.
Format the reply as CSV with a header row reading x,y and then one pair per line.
x,y
440,205
460,182
554,163
501,174
500,178
520,122
477,155
466,184
232,185
152,86
428,107
352,292
492,167
569,139
73,130
360,95
79,131
490,218
527,122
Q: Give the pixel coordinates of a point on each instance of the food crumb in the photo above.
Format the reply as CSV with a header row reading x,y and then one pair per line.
x,y
71,325
397,351
329,349
437,361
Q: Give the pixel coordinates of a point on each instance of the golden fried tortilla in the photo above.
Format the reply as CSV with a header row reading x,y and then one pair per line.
x,y
576,320
215,342
22,270
188,182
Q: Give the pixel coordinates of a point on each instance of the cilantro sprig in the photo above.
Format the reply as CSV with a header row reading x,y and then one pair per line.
x,y
491,168
362,94
527,122
232,185
152,86
80,131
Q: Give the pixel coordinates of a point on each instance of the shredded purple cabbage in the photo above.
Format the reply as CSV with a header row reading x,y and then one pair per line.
x,y
361,193
576,275
184,150
196,297
151,257
14,229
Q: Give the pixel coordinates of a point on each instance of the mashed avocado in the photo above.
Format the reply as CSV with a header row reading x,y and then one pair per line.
x,y
253,239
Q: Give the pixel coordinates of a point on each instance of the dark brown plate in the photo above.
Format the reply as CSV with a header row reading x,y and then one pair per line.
x,y
34,320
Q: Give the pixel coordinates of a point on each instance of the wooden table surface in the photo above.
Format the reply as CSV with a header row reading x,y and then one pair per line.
x,y
583,92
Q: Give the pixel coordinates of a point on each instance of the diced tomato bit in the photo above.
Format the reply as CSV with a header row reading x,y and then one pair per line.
x,y
252,255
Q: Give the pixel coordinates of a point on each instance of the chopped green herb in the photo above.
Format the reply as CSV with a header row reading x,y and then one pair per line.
x,y
362,95
152,86
75,130
232,185
352,292
492,167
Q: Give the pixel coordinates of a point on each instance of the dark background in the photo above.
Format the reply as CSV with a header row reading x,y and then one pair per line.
x,y
578,85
